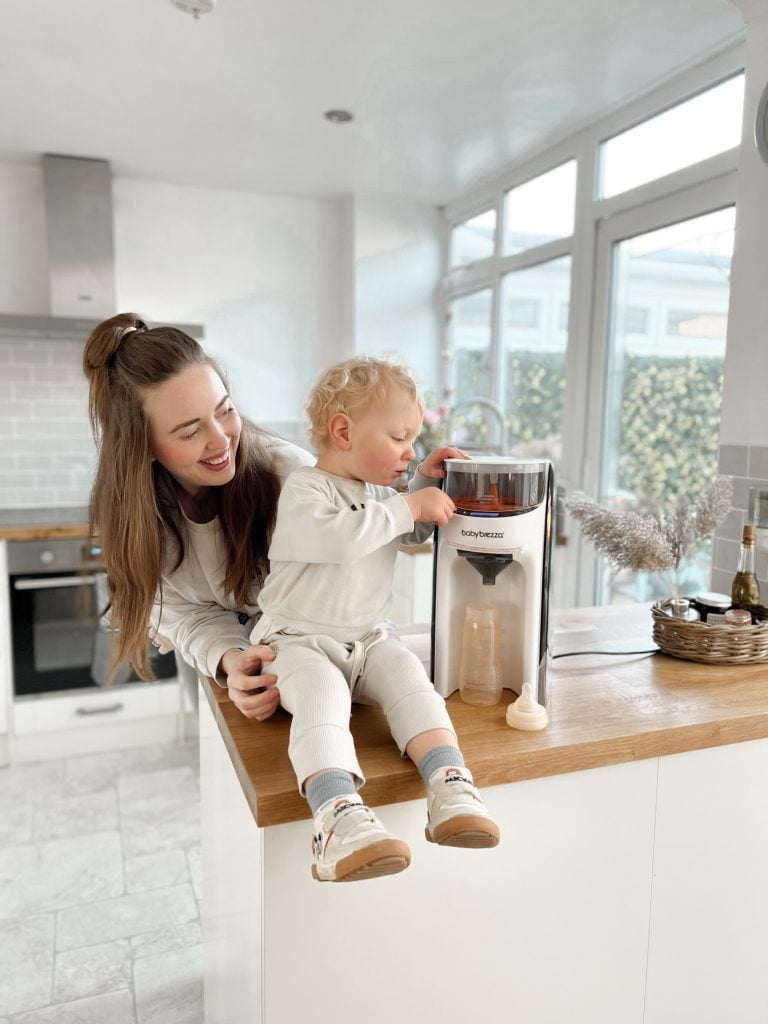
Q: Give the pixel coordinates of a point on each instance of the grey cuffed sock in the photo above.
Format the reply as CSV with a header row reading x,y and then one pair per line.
x,y
327,785
439,757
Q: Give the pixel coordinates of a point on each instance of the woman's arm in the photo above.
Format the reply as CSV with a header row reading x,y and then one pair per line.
x,y
215,643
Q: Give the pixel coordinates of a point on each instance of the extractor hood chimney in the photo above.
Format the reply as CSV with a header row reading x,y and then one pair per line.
x,y
81,258
81,253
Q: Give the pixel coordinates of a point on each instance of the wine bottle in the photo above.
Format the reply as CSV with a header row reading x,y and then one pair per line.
x,y
745,590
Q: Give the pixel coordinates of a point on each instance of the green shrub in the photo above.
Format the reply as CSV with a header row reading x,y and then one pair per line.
x,y
668,420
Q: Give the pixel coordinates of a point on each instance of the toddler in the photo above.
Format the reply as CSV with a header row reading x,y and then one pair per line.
x,y
324,604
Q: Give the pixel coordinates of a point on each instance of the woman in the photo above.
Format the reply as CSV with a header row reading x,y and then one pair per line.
x,y
183,501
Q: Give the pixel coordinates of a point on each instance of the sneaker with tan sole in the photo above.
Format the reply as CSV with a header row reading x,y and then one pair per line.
x,y
350,843
456,814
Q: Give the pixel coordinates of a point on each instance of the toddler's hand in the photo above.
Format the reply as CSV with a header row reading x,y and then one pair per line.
x,y
433,464
430,505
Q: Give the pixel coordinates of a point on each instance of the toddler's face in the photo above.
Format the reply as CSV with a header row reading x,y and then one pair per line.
x,y
382,438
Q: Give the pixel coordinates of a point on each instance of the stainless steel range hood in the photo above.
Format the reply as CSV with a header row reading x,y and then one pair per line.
x,y
81,260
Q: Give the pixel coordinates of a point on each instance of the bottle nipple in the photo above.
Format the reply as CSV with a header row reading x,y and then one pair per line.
x,y
526,713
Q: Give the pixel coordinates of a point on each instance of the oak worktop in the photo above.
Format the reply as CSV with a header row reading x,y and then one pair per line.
x,y
602,710
43,523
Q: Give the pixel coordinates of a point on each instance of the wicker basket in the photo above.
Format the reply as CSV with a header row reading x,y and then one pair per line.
x,y
711,644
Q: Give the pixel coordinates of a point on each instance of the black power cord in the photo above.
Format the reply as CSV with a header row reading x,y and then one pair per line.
x,y
615,654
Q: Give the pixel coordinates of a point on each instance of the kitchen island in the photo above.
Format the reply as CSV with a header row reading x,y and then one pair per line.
x,y
631,883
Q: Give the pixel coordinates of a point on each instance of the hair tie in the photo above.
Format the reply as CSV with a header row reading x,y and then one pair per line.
x,y
139,325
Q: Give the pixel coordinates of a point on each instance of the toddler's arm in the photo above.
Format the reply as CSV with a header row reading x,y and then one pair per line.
x,y
430,505
434,464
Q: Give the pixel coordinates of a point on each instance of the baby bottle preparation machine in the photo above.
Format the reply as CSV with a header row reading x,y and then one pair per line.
x,y
490,603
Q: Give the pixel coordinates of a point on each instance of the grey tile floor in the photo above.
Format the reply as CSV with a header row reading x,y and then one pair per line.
x,y
100,888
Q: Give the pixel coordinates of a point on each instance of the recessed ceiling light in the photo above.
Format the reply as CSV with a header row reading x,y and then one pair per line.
x,y
338,116
195,7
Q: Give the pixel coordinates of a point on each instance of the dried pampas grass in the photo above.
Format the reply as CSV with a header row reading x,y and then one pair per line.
x,y
653,542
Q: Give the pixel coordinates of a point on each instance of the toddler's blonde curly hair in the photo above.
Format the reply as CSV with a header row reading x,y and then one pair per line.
x,y
362,380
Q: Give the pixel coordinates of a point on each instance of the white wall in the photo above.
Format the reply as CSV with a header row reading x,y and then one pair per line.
x,y
397,274
262,273
268,277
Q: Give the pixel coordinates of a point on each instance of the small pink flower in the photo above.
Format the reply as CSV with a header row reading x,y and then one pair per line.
x,y
432,417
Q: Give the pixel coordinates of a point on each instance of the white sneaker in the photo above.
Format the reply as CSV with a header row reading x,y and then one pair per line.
x,y
350,843
456,814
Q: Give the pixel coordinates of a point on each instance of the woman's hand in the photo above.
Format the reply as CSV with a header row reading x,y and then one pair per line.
x,y
433,466
253,693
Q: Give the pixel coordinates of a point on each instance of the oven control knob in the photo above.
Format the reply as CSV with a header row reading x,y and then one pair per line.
x,y
46,557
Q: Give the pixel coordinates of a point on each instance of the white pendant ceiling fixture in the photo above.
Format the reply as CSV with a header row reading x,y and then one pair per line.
x,y
194,7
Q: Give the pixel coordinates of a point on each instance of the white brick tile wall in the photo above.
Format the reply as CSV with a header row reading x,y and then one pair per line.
x,y
48,456
748,466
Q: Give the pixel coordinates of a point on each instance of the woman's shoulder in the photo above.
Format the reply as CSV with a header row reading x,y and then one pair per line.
x,y
286,455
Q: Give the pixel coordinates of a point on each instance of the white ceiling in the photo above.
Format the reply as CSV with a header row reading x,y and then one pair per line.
x,y
446,92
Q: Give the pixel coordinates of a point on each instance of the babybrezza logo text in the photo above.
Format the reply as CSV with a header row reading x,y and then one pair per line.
x,y
482,534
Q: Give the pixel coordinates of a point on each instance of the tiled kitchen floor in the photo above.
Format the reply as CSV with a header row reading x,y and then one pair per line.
x,y
100,889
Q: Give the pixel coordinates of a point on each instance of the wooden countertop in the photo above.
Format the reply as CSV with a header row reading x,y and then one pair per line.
x,y
602,710
43,524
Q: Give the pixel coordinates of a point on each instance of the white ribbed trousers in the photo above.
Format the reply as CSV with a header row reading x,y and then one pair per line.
x,y
320,678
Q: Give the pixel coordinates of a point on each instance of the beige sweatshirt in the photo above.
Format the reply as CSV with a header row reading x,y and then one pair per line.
x,y
198,618
333,553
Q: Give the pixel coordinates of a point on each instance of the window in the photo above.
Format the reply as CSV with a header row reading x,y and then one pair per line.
x,y
693,323
471,345
635,320
593,333
685,134
664,393
473,240
541,210
533,370
522,313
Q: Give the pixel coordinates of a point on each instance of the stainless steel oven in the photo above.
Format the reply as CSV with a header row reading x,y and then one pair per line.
x,y
57,625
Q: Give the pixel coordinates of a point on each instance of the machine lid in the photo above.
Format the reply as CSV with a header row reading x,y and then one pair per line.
x,y
497,463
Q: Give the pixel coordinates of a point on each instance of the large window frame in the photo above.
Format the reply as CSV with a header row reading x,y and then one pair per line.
x,y
598,224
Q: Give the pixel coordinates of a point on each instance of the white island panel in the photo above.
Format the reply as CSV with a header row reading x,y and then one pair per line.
x,y
708,954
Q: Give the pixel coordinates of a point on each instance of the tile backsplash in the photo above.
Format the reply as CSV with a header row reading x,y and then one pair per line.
x,y
747,465
47,456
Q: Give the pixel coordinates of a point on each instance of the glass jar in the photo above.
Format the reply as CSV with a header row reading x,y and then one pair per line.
x,y
712,607
738,617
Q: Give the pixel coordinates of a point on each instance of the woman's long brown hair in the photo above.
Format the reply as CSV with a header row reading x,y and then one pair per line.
x,y
134,506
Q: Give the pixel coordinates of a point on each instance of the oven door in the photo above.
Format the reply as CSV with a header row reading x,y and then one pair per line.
x,y
54,619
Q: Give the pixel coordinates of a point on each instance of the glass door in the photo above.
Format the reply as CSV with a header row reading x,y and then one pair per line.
x,y
665,298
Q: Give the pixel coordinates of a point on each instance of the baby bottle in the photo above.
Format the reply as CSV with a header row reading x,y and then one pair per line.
x,y
480,668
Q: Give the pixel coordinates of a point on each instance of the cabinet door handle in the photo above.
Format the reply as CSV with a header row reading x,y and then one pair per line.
x,y
110,709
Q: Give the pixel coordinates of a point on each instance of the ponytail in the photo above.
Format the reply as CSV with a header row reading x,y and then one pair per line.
x,y
98,356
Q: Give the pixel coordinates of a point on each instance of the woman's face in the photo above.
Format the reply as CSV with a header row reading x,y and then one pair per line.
x,y
194,428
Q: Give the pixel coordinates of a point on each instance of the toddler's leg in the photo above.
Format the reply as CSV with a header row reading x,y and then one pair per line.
x,y
316,694
456,814
348,843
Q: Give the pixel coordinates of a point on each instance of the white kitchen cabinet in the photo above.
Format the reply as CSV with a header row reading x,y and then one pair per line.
x,y
708,946
412,586
91,721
